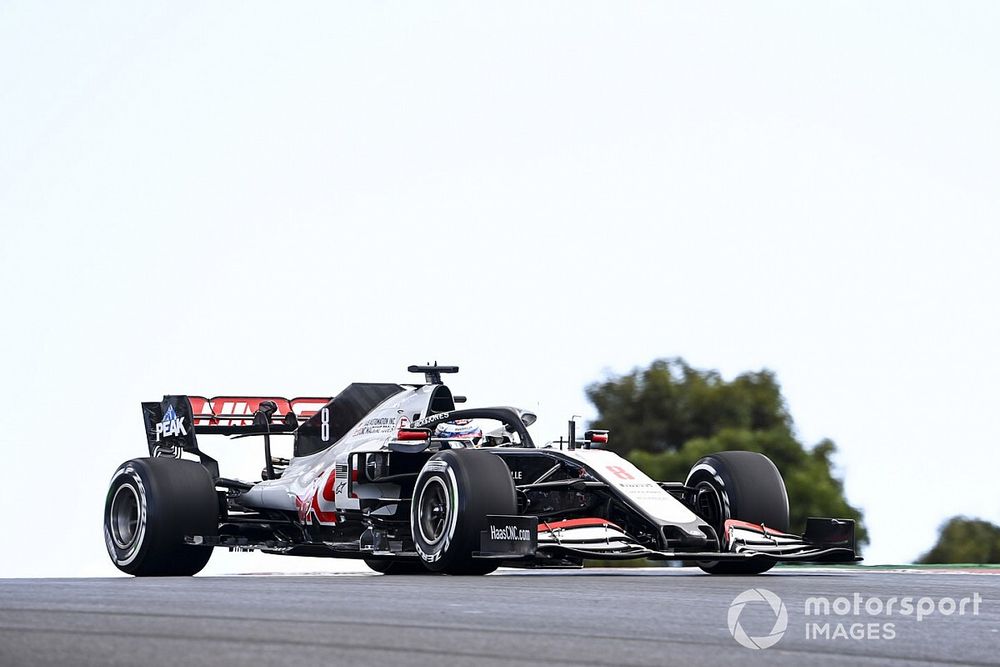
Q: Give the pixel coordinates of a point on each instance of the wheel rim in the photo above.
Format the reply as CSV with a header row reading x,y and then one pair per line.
x,y
124,516
709,505
434,510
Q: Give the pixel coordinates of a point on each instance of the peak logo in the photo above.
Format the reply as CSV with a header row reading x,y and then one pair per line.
x,y
170,426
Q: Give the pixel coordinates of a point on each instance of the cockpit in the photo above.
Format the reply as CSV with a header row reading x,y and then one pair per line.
x,y
482,427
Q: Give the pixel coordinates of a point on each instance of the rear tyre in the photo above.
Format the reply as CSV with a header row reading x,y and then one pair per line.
x,y
739,485
454,492
397,566
152,504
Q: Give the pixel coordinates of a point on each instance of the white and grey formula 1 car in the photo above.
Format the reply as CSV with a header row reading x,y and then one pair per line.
x,y
397,475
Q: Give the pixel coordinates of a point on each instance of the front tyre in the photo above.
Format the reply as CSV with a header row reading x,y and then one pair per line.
x,y
739,485
454,492
152,504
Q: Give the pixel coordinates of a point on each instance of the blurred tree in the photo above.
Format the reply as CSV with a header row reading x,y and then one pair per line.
x,y
965,540
668,404
667,416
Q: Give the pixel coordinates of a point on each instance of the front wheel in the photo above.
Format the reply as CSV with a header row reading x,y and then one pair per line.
x,y
455,491
739,485
152,505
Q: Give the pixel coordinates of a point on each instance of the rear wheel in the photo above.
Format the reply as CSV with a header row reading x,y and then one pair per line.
x,y
454,493
739,485
152,504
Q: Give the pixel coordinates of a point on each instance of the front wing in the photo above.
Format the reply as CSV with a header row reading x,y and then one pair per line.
x,y
517,537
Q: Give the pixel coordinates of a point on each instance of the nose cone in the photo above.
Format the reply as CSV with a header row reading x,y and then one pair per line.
x,y
689,537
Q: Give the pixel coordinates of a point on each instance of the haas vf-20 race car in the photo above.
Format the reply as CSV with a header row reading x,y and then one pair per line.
x,y
402,477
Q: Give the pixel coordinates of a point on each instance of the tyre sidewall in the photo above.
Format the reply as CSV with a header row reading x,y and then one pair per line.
x,y
489,489
437,556
128,558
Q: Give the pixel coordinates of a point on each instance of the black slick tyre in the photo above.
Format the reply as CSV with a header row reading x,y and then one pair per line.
x,y
455,491
745,486
152,504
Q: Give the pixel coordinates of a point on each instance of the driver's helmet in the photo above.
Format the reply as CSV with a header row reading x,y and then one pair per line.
x,y
459,429
498,437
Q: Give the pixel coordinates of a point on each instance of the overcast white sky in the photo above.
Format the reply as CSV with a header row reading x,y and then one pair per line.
x,y
215,198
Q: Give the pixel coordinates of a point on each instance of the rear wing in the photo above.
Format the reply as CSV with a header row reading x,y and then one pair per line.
x,y
171,424
230,415
317,422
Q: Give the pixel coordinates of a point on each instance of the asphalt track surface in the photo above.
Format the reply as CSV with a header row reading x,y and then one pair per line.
x,y
656,616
